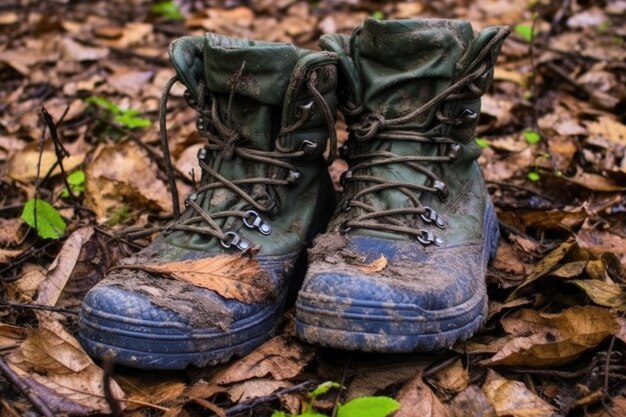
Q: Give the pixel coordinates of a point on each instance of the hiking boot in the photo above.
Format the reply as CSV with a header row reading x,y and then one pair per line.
x,y
214,283
403,265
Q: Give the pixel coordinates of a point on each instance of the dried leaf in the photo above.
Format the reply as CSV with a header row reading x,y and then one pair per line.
x,y
375,266
416,399
603,293
472,402
6,255
617,407
74,51
553,339
255,388
512,398
150,388
25,287
545,266
53,364
280,357
373,378
123,176
61,268
22,165
11,335
453,378
232,276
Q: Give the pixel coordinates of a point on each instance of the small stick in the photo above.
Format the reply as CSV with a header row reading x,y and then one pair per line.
x,y
59,149
12,377
114,404
249,405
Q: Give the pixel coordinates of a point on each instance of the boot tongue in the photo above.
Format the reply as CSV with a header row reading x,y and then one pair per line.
x,y
404,63
266,71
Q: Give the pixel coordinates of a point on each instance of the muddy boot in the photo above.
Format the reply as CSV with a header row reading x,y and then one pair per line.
x,y
267,111
403,265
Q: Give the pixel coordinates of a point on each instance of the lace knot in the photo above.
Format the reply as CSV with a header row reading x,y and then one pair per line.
x,y
369,127
229,145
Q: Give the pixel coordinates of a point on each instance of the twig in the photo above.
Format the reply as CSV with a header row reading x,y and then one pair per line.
x,y
342,383
40,307
249,405
219,412
25,256
114,404
436,368
59,149
12,377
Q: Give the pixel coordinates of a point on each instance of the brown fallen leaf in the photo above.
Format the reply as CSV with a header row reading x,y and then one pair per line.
x,y
10,335
25,287
231,276
255,388
599,242
416,399
54,365
280,357
512,398
6,255
549,263
74,51
122,176
603,293
472,402
452,378
62,267
616,407
553,339
149,388
375,266
621,333
374,378
22,165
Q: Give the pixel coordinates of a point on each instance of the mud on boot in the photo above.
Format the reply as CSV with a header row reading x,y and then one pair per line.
x,y
267,111
414,198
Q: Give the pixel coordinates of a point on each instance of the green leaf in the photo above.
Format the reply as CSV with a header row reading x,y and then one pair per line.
x,y
323,388
526,32
279,414
368,407
482,142
168,9
532,136
104,103
534,176
50,224
76,180
129,119
378,15
311,413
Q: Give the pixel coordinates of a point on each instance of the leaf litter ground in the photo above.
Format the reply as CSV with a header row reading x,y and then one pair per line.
x,y
553,134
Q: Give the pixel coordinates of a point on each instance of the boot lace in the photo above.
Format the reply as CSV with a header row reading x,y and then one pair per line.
x,y
229,142
375,125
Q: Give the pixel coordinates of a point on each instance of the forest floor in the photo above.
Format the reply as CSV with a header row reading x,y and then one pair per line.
x,y
553,133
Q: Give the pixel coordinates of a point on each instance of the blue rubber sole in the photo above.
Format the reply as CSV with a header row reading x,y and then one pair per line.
x,y
171,346
374,326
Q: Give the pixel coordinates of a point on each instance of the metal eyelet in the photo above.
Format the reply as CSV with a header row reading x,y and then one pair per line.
x,y
257,223
431,216
308,146
454,150
200,124
442,189
202,154
469,116
346,206
235,240
344,228
345,176
427,238
344,151
294,177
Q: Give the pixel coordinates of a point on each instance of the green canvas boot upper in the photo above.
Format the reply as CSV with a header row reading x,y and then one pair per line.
x,y
413,193
267,111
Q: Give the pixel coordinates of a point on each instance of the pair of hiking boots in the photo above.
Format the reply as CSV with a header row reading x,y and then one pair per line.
x,y
401,260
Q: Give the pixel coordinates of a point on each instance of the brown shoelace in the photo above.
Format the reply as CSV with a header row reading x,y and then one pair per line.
x,y
376,126
227,141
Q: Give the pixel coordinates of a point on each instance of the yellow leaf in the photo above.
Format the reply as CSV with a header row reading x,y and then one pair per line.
x,y
231,276
553,339
513,399
375,266
603,293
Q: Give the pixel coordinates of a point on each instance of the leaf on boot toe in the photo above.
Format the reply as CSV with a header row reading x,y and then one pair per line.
x,y
233,277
